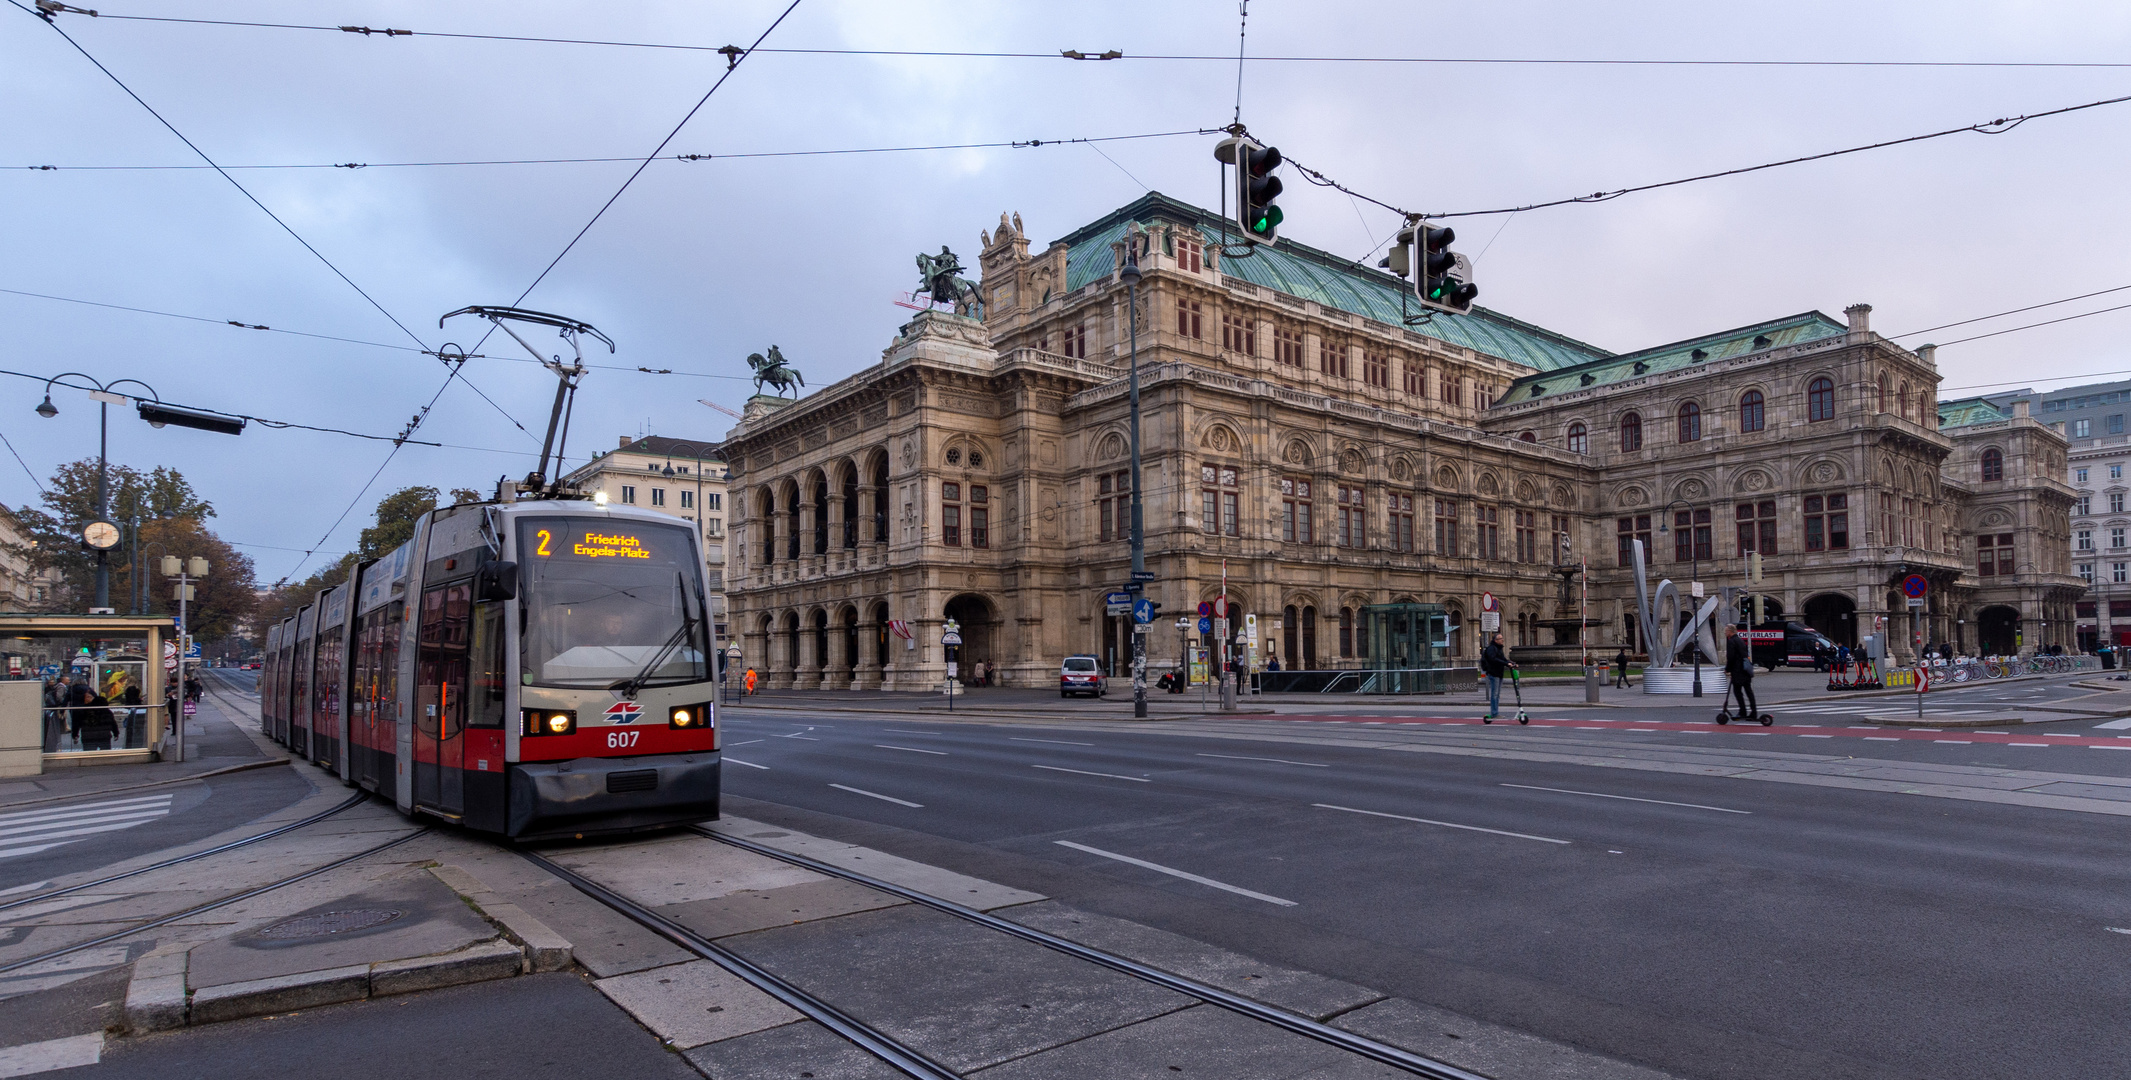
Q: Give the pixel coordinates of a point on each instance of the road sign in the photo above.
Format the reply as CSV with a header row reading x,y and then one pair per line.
x,y
1142,611
192,652
1916,601
1490,621
732,652
1914,587
1250,627
1220,629
1143,575
1220,607
1206,625
1205,609
950,638
1489,603
1116,602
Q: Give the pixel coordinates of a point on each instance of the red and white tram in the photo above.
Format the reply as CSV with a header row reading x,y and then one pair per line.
x,y
537,669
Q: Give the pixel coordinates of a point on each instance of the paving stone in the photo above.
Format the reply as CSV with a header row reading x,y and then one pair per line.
x,y
1204,1042
695,1003
1306,993
790,1052
930,880
434,921
960,993
605,942
754,909
678,869
282,993
1481,1047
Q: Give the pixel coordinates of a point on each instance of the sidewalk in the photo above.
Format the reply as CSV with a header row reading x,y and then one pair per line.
x,y
214,744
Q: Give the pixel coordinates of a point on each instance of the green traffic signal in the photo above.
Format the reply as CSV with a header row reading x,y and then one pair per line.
x,y
1266,220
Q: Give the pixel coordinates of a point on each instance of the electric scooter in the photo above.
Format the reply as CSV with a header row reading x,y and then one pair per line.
x,y
1518,689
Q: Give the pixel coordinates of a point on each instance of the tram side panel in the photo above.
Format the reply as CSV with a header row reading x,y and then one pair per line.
x,y
267,670
328,648
300,684
458,746
286,681
373,705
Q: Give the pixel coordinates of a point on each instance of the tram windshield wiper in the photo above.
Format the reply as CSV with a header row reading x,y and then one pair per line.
x,y
684,633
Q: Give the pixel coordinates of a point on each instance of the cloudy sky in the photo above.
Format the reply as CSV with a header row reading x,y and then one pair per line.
x,y
700,263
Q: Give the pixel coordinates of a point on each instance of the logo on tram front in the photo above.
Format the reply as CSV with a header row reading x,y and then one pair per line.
x,y
623,712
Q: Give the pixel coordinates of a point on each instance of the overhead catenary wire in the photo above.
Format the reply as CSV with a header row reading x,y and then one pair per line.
x,y
2015,311
1007,144
261,420
734,52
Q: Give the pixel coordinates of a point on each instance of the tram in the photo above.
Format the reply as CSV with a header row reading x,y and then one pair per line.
x,y
536,669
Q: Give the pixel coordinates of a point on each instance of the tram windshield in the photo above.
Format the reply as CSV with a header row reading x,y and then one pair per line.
x,y
606,598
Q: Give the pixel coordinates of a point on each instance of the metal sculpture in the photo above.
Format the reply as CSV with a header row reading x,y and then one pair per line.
x,y
939,278
774,371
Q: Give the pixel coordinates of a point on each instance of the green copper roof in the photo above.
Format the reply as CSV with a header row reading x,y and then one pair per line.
x,y
1340,284
1797,329
1963,412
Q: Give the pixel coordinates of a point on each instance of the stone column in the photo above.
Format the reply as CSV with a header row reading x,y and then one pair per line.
x,y
868,674
835,663
838,516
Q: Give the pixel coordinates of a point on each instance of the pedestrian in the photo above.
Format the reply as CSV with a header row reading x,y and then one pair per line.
x,y
976,672
55,714
750,682
95,724
1620,668
1494,663
136,717
1739,664
192,688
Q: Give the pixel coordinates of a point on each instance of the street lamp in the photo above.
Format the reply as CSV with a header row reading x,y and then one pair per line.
x,y
99,534
1130,276
1694,574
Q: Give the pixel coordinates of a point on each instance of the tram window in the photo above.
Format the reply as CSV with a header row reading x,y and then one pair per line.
x,y
602,598
484,701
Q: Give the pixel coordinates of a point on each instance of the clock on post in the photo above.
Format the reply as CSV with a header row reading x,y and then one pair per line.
x,y
101,535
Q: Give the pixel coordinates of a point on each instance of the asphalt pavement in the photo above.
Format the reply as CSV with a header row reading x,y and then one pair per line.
x,y
1698,924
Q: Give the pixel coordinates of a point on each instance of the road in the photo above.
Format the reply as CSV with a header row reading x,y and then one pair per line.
x,y
1699,924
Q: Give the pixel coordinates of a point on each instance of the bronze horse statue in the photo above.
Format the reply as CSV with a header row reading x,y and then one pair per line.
x,y
939,278
774,371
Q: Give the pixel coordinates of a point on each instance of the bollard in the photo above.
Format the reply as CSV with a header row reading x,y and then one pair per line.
x,y
1590,685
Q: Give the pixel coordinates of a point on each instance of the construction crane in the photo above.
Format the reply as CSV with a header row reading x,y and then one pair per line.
x,y
720,408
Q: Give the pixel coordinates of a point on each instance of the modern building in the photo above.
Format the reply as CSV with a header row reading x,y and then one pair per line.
x,y
1312,442
673,476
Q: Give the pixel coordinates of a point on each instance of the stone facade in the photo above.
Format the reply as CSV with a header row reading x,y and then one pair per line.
x,y
1332,453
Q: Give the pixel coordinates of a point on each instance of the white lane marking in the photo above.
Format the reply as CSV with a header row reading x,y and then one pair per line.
x,y
31,887
910,749
743,743
2117,930
1630,798
2116,724
878,795
1084,772
60,829
1816,736
1277,760
900,731
796,735
2027,744
68,1053
1956,742
1054,742
1881,738
2054,735
2107,746
1444,824
9,853
85,810
1175,873
749,764
1933,730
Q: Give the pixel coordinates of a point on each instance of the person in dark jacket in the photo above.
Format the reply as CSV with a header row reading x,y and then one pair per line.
x,y
1495,664
95,723
1739,664
55,714
1620,667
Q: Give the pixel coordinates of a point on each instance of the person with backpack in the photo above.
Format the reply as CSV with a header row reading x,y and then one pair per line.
x,y
1495,664
94,722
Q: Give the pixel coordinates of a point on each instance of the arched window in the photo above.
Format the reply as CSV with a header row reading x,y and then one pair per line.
x,y
1752,415
1690,422
1993,465
1820,399
1631,432
1579,438
1528,437
1901,402
1346,633
1883,393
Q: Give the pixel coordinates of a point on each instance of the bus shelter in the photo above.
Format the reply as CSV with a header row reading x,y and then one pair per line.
x,y
1409,648
117,705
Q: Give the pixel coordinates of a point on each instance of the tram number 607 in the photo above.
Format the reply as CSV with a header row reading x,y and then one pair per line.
x,y
621,739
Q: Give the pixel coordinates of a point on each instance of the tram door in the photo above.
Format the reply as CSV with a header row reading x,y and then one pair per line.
x,y
440,698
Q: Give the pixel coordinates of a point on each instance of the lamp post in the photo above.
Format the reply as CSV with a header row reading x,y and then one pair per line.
x,y
183,572
1130,276
101,534
1694,574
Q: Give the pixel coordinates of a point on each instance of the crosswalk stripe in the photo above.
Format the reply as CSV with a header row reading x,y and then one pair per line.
x,y
86,808
30,832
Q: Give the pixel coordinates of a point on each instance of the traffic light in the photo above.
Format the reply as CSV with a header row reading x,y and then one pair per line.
x,y
1399,260
1753,566
1442,277
1256,187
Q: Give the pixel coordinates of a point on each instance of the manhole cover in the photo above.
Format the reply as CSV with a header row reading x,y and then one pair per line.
x,y
328,923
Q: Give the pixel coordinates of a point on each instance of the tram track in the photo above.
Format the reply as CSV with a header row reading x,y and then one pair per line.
x,y
914,1062
216,850
198,909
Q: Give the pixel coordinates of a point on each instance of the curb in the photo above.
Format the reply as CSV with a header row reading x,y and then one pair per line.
x,y
157,998
545,950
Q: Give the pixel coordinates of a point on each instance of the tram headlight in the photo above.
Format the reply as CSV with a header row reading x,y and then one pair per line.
x,y
550,721
689,716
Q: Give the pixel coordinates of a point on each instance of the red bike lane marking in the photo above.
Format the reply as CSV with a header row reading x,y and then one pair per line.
x,y
1740,727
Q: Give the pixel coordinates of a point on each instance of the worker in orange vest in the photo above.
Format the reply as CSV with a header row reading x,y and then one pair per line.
x,y
750,682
